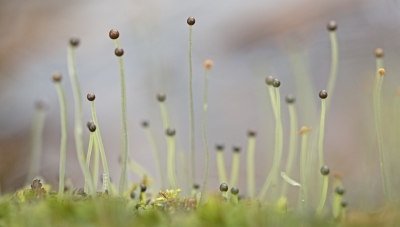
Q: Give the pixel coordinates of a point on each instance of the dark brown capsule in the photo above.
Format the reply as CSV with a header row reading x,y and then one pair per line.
x,y
74,41
331,26
235,190
344,204
276,83
88,123
379,52
92,127
251,133
340,190
290,99
219,147
91,96
323,94
236,148
161,97
56,77
269,80
114,34
170,132
119,51
143,188
145,124
223,187
196,186
191,21
324,170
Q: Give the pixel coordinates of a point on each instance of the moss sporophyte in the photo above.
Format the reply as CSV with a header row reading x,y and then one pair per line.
x,y
256,195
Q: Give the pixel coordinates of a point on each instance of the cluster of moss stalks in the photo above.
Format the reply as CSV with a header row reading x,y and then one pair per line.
x,y
141,203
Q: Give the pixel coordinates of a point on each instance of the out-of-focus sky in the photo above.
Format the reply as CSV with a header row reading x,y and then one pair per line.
x,y
247,40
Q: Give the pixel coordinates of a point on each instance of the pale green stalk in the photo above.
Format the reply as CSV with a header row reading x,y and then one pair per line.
x,y
204,124
323,194
334,65
292,144
171,162
221,167
88,156
321,133
378,123
156,154
106,173
122,180
63,145
164,114
36,143
303,168
191,108
336,207
78,118
250,166
235,169
95,168
138,169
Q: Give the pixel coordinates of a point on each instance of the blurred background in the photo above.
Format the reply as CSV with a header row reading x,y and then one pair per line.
x,y
247,40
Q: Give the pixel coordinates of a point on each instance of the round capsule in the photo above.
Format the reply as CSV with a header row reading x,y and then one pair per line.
x,y
114,34
344,204
41,104
208,64
331,26
133,194
235,190
161,97
56,77
219,147
223,187
74,41
196,186
382,72
269,80
143,188
191,202
236,149
324,170
251,133
91,96
92,127
119,52
323,94
379,52
276,83
290,99
88,123
145,124
191,21
170,132
339,190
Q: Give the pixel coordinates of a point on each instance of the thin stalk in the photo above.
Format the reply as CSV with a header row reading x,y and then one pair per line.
x,y
221,167
292,144
63,145
191,108
235,169
269,179
164,114
279,140
378,123
156,154
323,194
336,207
171,162
321,133
96,159
303,167
78,132
122,181
334,64
138,169
204,124
106,173
88,157
36,142
250,166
